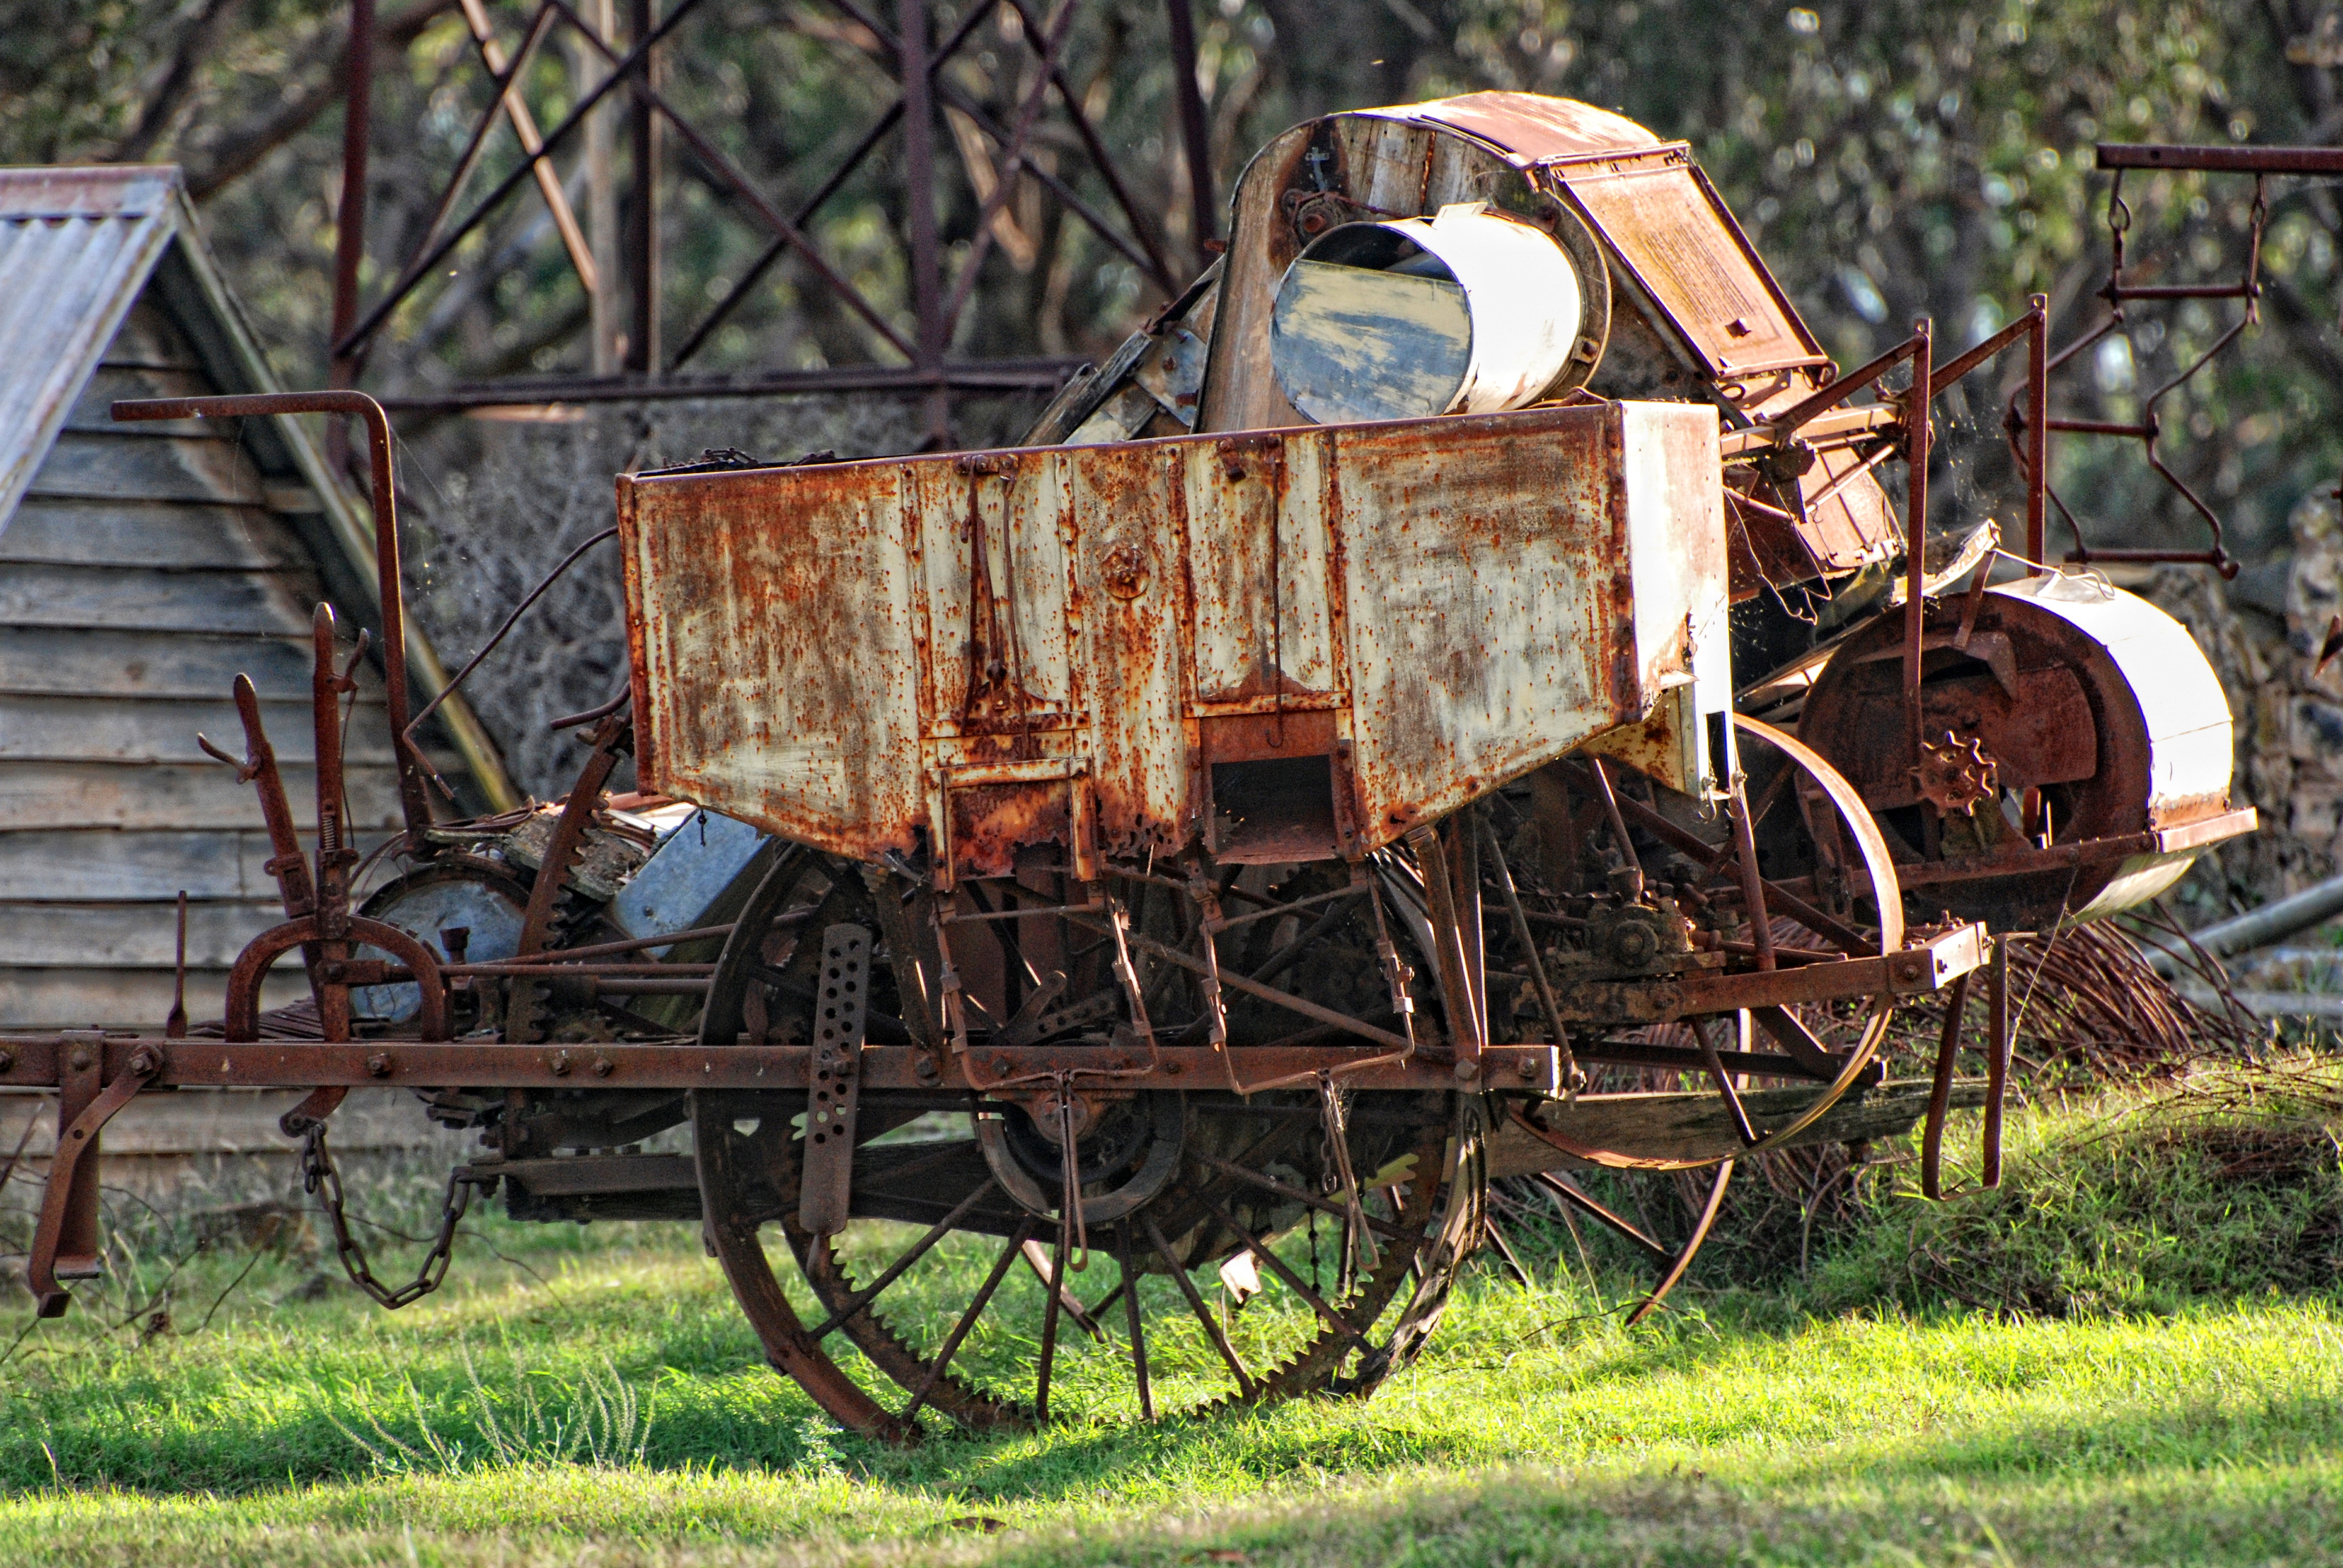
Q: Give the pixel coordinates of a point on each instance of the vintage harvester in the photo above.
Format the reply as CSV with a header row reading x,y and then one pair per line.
x,y
1209,841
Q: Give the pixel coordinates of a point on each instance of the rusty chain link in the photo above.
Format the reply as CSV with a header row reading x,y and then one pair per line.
x,y
319,1177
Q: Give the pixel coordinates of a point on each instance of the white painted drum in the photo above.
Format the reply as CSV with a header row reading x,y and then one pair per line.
x,y
1469,312
2183,715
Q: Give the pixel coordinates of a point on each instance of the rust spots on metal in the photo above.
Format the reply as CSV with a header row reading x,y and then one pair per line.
x,y
984,652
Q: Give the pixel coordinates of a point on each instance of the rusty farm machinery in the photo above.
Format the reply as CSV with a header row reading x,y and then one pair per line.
x,y
1074,889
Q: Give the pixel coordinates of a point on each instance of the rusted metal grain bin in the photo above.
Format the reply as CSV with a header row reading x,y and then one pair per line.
x,y
1304,642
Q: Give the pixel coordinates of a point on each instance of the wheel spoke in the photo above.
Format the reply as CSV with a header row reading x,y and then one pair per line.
x,y
1626,1227
1292,1281
1129,1289
936,1232
1271,1184
1085,1318
1056,1302
1212,1330
968,1318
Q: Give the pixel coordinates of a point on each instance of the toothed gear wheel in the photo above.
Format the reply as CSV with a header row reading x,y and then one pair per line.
x,y
1956,776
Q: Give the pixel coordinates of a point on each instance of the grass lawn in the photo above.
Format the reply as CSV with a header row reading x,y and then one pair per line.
x,y
593,1397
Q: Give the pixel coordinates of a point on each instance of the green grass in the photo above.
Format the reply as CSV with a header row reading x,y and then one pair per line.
x,y
2134,1354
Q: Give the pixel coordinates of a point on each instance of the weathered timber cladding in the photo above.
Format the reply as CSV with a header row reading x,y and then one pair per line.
x,y
141,572
143,568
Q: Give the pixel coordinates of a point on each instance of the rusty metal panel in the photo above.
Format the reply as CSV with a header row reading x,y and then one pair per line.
x,y
991,531
1528,127
1668,227
1130,592
1513,586
75,247
1005,650
1258,560
775,667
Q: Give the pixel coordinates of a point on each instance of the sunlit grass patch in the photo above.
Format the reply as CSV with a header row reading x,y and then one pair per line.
x,y
595,1397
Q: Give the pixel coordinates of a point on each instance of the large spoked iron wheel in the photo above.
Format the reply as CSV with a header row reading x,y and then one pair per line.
x,y
1789,872
1225,1251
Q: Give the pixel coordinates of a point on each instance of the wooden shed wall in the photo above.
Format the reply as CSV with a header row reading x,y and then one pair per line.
x,y
147,566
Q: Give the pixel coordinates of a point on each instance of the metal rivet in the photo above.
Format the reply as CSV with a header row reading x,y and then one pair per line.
x,y
378,1065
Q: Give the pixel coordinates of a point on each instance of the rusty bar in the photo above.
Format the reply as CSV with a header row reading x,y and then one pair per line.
x,y
1154,261
1916,526
1785,424
286,863
37,1060
334,856
1454,970
1909,971
1767,1064
2038,434
2182,291
919,207
349,220
585,971
1940,379
643,357
1610,798
2221,159
462,173
422,266
1528,938
1940,1092
2102,428
524,124
1037,373
67,1225
1996,1061
1011,167
2216,558
562,956
1472,940
1753,882
414,803
1196,133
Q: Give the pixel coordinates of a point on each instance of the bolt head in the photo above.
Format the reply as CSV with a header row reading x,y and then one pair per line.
x,y
378,1065
81,1059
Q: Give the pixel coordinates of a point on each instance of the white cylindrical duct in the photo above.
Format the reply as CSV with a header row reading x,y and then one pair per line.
x,y
1468,312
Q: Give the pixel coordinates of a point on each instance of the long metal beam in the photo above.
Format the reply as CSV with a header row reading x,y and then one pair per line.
x,y
2221,159
38,1060
955,376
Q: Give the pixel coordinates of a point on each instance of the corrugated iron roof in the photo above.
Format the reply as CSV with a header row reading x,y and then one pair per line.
x,y
76,247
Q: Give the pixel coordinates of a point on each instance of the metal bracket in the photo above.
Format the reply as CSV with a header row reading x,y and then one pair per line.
x,y
834,1084
64,1239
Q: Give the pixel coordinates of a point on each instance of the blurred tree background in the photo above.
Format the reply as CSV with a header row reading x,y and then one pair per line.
x,y
1891,159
